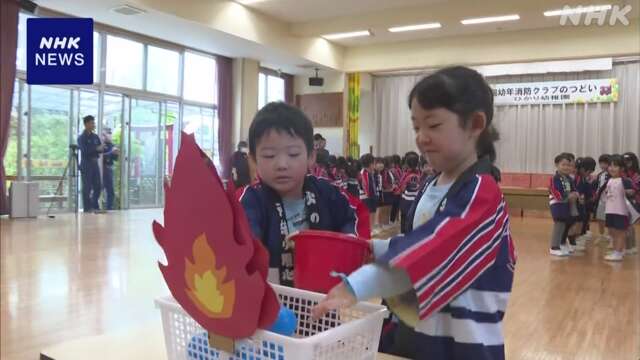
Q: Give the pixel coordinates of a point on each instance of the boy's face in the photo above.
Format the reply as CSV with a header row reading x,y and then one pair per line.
x,y
604,166
379,166
282,162
564,167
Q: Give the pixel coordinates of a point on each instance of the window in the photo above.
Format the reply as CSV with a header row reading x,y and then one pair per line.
x,y
203,123
21,54
124,62
96,57
163,67
270,88
199,78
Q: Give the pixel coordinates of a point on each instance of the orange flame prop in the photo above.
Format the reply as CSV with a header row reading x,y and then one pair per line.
x,y
215,269
207,288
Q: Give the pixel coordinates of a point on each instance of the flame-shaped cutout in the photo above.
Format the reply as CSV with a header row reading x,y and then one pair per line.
x,y
215,269
207,287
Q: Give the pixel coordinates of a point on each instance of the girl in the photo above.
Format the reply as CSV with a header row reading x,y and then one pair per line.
x,y
600,184
617,213
409,187
633,173
586,166
449,278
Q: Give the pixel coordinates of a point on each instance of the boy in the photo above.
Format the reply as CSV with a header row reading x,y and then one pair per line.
x,y
287,199
562,201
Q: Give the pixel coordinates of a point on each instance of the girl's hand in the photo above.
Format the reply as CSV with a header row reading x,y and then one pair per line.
x,y
340,297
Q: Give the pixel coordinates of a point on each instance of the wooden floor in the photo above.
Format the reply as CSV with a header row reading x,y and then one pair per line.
x,y
63,279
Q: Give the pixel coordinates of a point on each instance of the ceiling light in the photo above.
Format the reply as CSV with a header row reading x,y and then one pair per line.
x,y
249,2
415,27
345,35
485,20
577,10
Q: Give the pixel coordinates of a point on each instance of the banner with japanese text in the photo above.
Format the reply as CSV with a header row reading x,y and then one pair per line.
x,y
557,92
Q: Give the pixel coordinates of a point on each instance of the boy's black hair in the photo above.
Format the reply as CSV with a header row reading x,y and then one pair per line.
x,y
242,144
318,137
618,160
366,160
341,163
322,159
562,156
586,164
571,156
353,169
396,160
412,160
333,160
629,156
605,158
284,118
87,119
462,91
379,160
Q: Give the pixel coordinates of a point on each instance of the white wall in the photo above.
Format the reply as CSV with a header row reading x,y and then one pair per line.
x,y
334,136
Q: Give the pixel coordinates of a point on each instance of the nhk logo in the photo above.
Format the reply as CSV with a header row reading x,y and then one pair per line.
x,y
59,51
596,14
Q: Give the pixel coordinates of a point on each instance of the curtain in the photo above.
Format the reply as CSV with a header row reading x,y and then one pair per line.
x,y
354,114
225,112
8,46
531,135
288,89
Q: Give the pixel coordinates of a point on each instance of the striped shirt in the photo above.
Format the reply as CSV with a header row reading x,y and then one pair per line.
x,y
460,263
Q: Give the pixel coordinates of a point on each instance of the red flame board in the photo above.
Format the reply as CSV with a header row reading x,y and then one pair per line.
x,y
215,269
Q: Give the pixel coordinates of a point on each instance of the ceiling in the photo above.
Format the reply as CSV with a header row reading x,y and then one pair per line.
x,y
296,11
268,26
320,17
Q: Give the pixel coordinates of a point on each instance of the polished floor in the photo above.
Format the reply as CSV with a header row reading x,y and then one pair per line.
x,y
67,278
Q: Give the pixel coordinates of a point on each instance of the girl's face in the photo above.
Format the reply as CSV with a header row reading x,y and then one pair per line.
x,y
440,137
379,166
615,170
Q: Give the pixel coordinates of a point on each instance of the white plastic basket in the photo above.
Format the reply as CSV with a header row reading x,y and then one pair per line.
x,y
351,334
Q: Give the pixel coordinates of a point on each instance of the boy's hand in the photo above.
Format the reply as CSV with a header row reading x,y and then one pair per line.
x,y
100,148
340,297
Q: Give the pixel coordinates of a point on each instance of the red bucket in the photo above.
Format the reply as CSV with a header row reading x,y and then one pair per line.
x,y
318,253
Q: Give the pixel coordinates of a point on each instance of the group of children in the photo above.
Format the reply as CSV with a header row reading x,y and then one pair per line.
x,y
449,276
576,195
387,186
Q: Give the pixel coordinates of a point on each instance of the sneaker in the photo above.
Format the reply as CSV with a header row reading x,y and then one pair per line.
x,y
558,252
565,249
614,256
632,251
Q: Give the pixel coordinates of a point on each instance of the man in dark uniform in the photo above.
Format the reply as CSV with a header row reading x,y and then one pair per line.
x,y
109,156
240,166
90,149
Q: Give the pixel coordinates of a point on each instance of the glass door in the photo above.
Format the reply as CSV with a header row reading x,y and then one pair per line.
x,y
112,119
48,147
144,154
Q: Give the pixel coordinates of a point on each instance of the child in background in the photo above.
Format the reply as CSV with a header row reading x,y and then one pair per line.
x,y
633,174
617,213
287,199
396,171
368,186
409,187
427,170
352,172
562,197
450,277
378,174
600,184
585,167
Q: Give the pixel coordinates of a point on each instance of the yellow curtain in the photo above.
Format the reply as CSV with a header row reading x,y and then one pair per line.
x,y
354,114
